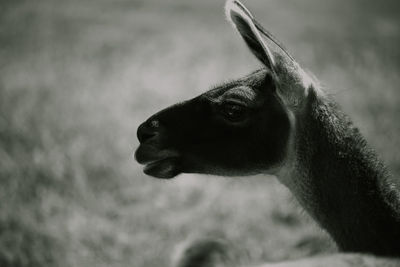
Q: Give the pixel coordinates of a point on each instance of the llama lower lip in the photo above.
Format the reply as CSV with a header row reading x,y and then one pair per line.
x,y
165,168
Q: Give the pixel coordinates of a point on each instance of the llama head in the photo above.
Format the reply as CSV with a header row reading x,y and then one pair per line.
x,y
239,128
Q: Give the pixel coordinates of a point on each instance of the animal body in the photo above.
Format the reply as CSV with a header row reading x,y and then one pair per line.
x,y
278,121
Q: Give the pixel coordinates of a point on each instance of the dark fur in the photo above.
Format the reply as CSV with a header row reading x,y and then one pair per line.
x,y
208,144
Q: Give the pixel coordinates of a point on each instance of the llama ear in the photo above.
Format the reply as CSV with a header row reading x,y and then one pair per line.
x,y
244,22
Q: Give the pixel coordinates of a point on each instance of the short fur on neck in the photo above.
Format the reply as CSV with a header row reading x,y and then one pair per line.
x,y
340,181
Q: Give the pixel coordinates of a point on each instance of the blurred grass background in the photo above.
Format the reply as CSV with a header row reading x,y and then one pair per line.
x,y
77,78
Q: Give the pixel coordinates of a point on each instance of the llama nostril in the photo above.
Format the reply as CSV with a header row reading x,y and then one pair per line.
x,y
147,130
155,123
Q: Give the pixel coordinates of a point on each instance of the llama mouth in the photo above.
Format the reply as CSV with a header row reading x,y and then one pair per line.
x,y
164,168
158,163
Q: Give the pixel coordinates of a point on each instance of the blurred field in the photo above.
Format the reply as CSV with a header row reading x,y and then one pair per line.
x,y
77,78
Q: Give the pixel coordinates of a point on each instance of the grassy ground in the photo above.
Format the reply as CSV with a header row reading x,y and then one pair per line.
x,y
77,78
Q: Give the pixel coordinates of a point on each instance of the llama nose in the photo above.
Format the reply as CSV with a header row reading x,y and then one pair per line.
x,y
148,130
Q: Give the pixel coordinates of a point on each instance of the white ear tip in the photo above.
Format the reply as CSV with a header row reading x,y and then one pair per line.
x,y
237,7
229,4
234,10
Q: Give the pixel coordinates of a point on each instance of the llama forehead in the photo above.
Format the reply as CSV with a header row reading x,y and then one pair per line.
x,y
240,93
234,93
244,85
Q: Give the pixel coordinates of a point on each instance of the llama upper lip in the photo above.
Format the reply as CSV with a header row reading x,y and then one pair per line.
x,y
147,154
160,163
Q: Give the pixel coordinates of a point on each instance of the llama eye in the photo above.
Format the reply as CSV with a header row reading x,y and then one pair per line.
x,y
233,113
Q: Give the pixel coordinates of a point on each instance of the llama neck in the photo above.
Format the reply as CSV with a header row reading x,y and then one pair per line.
x,y
342,184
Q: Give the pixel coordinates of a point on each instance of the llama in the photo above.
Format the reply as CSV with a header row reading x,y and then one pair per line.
x,y
278,121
